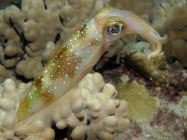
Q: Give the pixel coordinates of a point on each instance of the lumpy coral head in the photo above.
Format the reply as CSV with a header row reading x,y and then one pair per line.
x,y
77,56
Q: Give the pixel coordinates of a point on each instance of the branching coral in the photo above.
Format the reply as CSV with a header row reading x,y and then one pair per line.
x,y
25,67
4,73
139,7
175,27
25,32
89,110
168,17
161,11
9,98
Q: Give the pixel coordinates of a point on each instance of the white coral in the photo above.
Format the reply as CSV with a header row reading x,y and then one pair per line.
x,y
89,109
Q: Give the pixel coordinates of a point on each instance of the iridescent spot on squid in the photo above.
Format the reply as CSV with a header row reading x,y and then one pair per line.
x,y
66,75
64,66
76,67
81,32
30,97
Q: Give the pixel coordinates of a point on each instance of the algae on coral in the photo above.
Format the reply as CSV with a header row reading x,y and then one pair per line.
x,y
155,68
141,106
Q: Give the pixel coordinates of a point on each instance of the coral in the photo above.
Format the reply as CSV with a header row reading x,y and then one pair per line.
x,y
141,105
39,132
89,109
175,27
5,3
26,31
4,73
9,98
150,69
49,50
25,67
160,13
169,18
141,8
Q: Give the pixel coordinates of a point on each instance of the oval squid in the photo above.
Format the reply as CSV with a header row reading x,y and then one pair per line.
x,y
77,56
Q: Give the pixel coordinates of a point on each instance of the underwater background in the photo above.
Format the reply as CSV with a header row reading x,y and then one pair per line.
x,y
126,96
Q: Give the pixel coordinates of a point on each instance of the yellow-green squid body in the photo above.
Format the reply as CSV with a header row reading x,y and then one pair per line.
x,y
77,56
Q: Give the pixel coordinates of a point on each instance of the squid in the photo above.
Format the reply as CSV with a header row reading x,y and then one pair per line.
x,y
76,56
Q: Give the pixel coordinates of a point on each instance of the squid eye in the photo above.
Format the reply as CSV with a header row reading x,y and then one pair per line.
x,y
115,29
